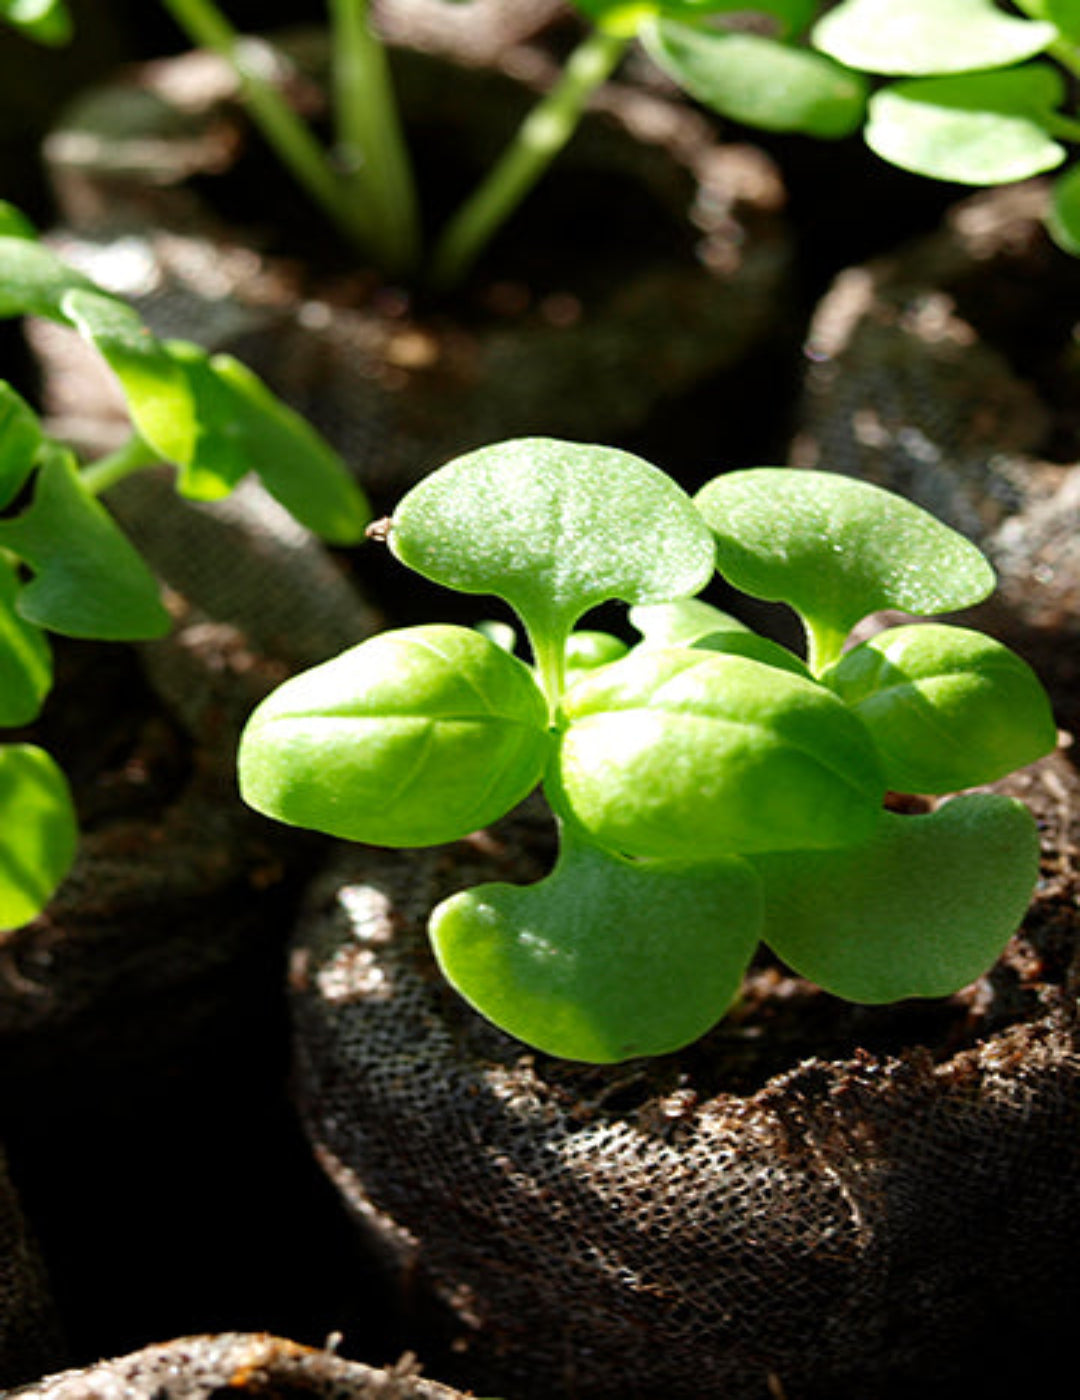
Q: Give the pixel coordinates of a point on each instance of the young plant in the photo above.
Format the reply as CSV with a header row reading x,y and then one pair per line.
x,y
363,179
65,565
711,789
986,96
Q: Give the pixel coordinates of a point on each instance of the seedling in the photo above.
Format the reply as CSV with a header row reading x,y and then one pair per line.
x,y
363,179
65,565
986,96
710,788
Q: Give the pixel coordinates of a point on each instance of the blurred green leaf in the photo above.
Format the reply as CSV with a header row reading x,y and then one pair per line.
x,y
25,659
975,129
14,223
34,281
47,21
20,441
1063,218
759,81
37,818
89,581
929,36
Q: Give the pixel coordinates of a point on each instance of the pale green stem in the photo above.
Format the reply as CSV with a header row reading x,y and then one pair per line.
x,y
370,139
288,135
108,470
825,645
1068,128
542,135
550,658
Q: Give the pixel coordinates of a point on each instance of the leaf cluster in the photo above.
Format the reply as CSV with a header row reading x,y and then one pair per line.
x,y
712,789
66,567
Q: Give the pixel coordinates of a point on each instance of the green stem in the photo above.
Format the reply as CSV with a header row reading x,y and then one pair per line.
x,y
287,134
135,454
1068,128
370,139
825,645
542,135
550,658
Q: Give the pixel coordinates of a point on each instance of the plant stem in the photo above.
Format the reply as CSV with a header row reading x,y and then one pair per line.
x,y
370,139
824,645
287,134
135,454
550,658
1068,128
544,133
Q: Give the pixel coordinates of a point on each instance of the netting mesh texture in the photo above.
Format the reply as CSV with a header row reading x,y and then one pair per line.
x,y
861,1222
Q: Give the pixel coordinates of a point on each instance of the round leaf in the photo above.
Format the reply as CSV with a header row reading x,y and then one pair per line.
x,y
837,549
921,910
947,708
412,738
977,129
928,36
554,528
39,829
89,580
25,659
759,81
689,755
606,959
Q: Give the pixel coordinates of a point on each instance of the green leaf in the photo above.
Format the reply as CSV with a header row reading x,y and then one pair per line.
x,y
554,528
20,442
836,549
158,393
605,959
47,21
1063,218
40,833
759,81
25,659
929,36
296,465
977,129
14,223
688,755
34,281
947,708
412,738
89,581
627,16
680,623
1064,15
588,651
921,910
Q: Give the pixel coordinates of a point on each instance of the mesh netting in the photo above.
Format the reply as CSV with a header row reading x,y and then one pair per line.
x,y
233,1364
869,1218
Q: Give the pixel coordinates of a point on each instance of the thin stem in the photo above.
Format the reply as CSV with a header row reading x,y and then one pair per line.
x,y
370,139
287,134
1068,128
550,658
542,135
135,454
825,645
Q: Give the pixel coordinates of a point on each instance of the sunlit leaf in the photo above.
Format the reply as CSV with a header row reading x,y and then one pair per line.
x,y
25,659
929,36
759,81
40,832
975,129
605,959
47,21
919,911
34,281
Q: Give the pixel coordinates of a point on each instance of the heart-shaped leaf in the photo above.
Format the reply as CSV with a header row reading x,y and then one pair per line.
x,y
40,832
759,81
89,581
929,36
605,959
947,708
836,549
554,528
976,129
25,659
412,738
921,910
20,441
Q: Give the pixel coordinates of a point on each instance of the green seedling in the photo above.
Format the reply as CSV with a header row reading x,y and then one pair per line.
x,y
985,96
363,178
66,567
711,789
